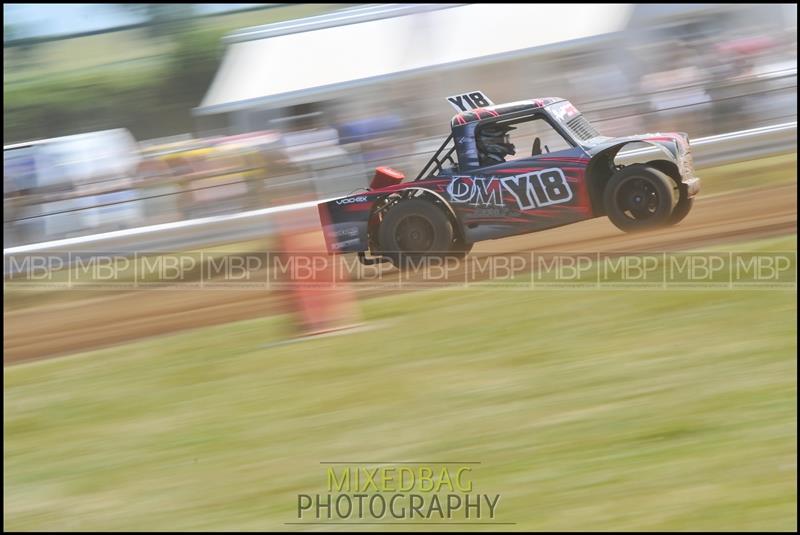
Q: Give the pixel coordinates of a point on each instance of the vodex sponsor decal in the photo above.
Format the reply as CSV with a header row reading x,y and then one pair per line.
x,y
350,200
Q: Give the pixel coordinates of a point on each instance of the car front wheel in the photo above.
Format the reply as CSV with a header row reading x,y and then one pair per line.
x,y
639,197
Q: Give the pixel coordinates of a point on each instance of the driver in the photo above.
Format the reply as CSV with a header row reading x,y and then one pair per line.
x,y
494,144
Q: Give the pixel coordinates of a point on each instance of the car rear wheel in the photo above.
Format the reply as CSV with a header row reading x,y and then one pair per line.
x,y
639,197
412,230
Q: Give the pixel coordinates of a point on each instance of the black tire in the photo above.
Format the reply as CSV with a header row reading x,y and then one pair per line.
x,y
639,197
681,209
412,230
685,204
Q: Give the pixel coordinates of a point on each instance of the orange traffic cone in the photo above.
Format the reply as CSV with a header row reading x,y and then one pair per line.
x,y
319,302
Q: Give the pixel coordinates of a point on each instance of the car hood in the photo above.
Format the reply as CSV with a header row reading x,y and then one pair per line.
x,y
677,143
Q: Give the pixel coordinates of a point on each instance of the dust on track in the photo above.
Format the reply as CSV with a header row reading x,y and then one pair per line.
x,y
90,322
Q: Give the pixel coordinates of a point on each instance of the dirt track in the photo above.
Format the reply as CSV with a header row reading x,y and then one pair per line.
x,y
92,322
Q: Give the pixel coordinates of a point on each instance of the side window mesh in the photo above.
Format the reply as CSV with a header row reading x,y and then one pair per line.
x,y
582,128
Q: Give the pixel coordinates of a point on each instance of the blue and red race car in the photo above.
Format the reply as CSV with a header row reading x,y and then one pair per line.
x,y
473,190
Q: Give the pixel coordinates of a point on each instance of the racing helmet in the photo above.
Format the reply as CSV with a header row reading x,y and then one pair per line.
x,y
494,143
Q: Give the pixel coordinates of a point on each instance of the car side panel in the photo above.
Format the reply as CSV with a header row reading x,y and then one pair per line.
x,y
521,196
517,197
345,221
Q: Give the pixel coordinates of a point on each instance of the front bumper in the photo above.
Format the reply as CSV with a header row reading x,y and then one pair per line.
x,y
692,185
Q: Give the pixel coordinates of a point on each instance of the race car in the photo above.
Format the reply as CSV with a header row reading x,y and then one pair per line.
x,y
472,190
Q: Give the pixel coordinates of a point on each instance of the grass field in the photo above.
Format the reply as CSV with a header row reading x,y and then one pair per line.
x,y
588,410
759,172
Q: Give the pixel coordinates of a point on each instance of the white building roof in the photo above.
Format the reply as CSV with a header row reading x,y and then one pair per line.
x,y
266,65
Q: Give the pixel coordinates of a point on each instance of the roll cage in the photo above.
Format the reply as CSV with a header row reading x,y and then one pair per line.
x,y
447,152
440,157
